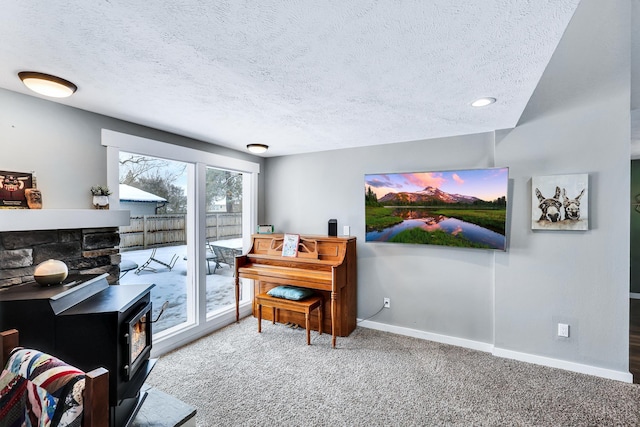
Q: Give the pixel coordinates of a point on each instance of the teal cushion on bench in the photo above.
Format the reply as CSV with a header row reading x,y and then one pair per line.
x,y
290,292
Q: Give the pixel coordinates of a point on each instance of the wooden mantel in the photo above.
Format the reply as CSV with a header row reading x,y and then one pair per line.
x,y
60,219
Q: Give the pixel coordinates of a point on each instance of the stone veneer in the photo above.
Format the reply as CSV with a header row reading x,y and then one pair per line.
x,y
84,251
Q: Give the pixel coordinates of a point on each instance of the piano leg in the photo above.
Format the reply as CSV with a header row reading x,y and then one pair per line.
x,y
237,283
334,297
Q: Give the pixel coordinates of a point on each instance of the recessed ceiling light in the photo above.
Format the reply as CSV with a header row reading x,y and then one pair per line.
x,y
46,84
257,148
483,102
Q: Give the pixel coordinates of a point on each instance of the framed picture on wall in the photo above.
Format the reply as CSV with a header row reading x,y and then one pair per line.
x,y
560,202
12,189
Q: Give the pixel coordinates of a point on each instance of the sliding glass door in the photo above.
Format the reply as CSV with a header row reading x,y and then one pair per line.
x,y
191,213
223,231
155,192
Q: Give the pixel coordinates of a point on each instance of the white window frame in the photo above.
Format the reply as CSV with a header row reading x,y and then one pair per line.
x,y
198,160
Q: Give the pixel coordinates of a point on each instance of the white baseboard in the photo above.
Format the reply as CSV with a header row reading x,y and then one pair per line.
x,y
611,374
500,352
445,339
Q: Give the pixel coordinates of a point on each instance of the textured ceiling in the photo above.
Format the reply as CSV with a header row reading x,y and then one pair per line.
x,y
298,75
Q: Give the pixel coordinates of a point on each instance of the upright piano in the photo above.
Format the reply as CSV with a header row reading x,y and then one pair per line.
x,y
324,264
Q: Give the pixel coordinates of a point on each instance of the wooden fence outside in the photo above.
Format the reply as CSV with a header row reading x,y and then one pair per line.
x,y
165,230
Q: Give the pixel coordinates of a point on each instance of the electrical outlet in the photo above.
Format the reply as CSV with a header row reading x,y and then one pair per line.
x,y
387,303
563,330
346,230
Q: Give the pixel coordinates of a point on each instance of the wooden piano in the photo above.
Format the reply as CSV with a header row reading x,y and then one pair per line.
x,y
325,264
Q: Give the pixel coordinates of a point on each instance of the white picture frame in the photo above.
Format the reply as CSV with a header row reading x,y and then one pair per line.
x,y
560,202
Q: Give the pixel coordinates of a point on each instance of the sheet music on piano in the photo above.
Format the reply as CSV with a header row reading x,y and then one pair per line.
x,y
290,245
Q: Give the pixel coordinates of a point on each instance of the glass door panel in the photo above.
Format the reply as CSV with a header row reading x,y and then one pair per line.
x,y
223,233
155,191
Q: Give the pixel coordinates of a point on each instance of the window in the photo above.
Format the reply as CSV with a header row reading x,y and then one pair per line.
x,y
223,229
155,192
201,208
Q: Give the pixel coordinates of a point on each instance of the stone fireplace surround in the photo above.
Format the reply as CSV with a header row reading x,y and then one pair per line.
x,y
83,250
85,239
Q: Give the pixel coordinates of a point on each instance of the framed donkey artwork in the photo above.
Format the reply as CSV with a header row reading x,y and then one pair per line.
x,y
560,202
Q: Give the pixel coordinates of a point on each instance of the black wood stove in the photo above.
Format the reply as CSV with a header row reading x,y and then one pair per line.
x,y
89,324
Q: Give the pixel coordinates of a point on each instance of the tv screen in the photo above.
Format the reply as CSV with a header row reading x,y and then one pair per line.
x,y
463,208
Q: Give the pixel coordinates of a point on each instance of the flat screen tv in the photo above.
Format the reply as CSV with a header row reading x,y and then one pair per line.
x,y
463,208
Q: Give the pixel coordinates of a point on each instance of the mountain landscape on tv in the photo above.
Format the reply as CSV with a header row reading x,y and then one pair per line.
x,y
466,208
429,195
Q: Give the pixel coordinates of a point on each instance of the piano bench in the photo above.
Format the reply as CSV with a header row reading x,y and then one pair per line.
x,y
305,306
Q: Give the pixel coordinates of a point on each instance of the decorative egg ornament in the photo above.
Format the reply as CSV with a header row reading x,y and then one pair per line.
x,y
50,272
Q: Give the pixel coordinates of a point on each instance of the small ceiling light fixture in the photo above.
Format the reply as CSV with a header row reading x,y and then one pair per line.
x,y
257,148
483,102
46,84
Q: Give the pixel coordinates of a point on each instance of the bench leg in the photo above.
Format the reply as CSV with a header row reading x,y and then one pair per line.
x,y
305,307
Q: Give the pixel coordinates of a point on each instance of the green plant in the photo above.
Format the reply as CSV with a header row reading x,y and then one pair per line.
x,y
100,190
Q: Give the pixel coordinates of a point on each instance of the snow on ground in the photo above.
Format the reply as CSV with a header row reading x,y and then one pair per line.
x,y
170,285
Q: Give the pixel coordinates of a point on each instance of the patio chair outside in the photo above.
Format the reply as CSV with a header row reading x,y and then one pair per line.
x,y
152,258
220,256
211,256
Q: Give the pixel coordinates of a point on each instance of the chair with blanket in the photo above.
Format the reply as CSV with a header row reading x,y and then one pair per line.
x,y
40,390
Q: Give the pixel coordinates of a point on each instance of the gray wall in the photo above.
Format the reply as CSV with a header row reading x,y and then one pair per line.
x,y
62,144
576,122
443,290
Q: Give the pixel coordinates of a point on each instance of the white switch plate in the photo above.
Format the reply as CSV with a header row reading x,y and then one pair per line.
x,y
345,230
563,330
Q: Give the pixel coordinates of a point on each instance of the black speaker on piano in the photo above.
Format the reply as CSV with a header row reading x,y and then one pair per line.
x,y
333,227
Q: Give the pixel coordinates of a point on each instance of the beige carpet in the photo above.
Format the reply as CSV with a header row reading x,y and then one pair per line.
x,y
237,377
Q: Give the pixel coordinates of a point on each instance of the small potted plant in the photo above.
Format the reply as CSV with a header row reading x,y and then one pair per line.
x,y
100,196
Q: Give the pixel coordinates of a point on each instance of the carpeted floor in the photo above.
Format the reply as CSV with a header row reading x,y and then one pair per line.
x,y
237,377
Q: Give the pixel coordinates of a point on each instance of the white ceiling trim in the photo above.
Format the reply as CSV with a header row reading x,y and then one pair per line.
x,y
151,147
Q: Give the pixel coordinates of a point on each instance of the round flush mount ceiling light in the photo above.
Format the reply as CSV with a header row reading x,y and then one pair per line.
x,y
483,102
257,148
46,84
